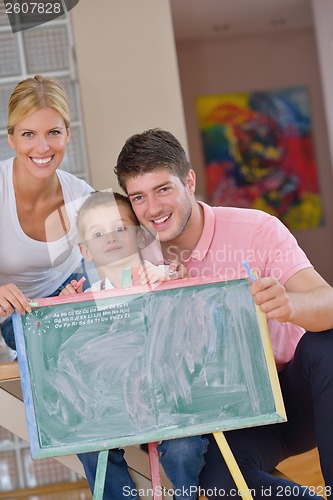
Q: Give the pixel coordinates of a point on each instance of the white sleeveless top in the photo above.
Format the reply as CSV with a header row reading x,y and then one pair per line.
x,y
37,268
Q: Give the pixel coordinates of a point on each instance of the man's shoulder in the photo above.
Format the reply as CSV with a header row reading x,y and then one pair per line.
x,y
241,215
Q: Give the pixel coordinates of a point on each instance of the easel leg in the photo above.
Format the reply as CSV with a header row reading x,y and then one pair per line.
x,y
100,474
232,466
154,465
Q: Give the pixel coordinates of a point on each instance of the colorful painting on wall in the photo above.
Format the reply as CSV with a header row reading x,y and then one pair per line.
x,y
259,153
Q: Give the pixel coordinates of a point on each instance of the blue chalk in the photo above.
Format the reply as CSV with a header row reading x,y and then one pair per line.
x,y
248,270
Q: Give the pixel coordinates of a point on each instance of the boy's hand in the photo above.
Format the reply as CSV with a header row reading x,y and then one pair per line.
x,y
148,273
177,270
71,288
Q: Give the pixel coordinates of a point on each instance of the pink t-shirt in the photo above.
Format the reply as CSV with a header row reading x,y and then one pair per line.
x,y
231,235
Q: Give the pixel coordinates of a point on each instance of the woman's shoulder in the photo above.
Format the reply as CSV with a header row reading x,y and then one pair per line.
x,y
5,166
73,185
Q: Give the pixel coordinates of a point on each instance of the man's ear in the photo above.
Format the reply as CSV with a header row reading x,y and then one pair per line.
x,y
191,181
85,253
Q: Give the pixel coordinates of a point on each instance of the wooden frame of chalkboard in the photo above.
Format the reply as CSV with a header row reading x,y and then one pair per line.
x,y
128,366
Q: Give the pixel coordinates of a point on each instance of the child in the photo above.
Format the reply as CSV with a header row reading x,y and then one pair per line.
x,y
111,237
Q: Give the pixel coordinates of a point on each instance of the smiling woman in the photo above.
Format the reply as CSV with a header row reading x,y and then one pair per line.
x,y
38,254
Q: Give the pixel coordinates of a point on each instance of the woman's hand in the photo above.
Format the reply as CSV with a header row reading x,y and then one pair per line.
x,y
11,297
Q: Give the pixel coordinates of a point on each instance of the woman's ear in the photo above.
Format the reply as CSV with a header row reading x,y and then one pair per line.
x,y
10,140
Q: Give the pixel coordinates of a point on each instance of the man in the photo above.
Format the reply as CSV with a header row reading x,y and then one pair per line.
x,y
153,170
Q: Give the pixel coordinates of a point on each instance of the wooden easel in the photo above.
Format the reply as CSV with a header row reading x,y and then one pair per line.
x,y
155,472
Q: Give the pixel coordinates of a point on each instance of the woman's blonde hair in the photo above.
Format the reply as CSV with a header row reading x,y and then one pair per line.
x,y
35,93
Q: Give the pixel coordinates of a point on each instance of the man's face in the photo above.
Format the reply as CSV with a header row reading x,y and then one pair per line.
x,y
162,203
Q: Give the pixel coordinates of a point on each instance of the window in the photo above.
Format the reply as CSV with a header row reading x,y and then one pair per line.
x,y
47,50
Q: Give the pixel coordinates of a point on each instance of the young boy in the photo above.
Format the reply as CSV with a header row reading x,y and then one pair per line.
x,y
111,238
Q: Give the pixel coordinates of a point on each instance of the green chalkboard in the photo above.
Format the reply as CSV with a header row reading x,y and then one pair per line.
x,y
117,368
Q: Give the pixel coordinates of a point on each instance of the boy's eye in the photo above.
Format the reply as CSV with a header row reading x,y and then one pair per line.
x,y
120,229
98,234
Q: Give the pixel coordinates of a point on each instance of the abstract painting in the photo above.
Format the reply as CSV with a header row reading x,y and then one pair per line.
x,y
259,153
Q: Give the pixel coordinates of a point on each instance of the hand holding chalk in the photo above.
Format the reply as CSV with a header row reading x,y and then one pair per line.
x,y
79,283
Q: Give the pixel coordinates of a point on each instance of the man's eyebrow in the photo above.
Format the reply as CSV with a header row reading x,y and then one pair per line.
x,y
154,188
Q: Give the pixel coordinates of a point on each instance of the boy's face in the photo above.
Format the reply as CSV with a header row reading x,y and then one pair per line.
x,y
110,234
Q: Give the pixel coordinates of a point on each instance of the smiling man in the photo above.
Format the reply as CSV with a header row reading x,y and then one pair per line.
x,y
154,171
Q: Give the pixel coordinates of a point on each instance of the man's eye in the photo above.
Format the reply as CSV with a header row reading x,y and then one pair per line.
x,y
137,199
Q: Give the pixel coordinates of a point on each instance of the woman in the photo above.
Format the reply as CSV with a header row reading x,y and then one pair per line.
x,y
38,253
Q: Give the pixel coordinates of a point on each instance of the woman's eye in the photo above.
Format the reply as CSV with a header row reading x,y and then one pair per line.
x,y
54,132
27,134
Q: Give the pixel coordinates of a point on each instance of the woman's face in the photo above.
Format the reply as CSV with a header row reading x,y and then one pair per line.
x,y
40,141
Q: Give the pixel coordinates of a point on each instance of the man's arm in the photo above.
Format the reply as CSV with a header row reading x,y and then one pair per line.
x,y
306,300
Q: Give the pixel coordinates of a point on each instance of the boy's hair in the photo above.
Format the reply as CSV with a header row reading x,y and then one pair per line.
x,y
149,151
102,198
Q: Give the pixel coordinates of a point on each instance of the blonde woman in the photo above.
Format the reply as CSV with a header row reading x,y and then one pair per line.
x,y
38,252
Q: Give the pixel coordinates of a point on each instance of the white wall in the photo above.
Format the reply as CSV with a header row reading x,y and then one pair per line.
x,y
263,62
323,21
128,74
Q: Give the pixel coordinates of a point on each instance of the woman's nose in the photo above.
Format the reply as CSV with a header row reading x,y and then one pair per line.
x,y
43,145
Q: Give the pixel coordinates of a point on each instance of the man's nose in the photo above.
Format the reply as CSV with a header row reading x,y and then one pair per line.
x,y
154,207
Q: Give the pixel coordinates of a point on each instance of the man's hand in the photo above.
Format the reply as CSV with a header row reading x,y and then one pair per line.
x,y
272,298
306,300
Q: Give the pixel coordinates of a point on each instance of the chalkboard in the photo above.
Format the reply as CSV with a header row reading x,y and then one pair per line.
x,y
128,366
